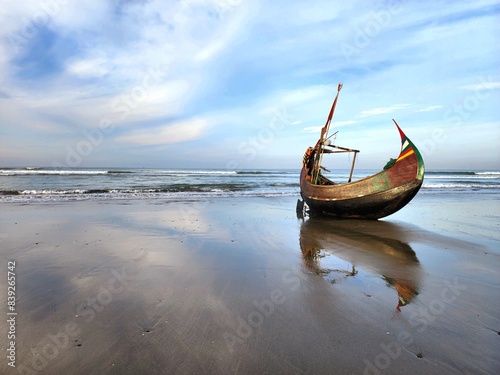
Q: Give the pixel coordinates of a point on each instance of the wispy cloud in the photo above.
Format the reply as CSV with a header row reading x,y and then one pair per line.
x,y
383,110
317,129
312,129
88,68
482,86
179,132
343,123
430,108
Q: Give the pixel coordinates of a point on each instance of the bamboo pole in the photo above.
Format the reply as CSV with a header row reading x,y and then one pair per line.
x,y
324,135
352,167
330,116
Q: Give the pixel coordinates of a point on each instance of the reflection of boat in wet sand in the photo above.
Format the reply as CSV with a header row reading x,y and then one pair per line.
x,y
367,245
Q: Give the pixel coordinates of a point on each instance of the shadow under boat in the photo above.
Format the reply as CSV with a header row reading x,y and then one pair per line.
x,y
375,246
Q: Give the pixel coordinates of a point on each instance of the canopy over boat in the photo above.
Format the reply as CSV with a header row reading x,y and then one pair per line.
x,y
372,197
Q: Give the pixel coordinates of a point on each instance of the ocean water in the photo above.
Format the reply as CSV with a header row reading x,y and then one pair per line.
x,y
55,184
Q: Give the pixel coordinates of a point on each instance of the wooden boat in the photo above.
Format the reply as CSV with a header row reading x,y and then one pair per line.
x,y
372,197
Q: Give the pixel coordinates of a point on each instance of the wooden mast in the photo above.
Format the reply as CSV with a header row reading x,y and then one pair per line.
x,y
323,137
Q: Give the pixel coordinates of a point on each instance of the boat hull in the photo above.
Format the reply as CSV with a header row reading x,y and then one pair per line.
x,y
373,206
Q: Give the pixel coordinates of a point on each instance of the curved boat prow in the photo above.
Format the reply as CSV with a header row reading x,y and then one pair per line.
x,y
407,149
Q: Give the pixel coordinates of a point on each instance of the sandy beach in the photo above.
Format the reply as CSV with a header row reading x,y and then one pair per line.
x,y
153,156
242,286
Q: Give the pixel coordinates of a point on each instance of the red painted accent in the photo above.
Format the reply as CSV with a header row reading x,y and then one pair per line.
x,y
401,134
410,150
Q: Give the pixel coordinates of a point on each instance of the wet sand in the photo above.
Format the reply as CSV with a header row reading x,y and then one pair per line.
x,y
228,286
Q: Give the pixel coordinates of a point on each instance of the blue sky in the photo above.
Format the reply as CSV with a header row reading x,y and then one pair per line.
x,y
246,83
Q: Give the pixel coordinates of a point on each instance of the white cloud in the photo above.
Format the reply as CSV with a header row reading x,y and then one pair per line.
x,y
183,131
313,129
309,93
143,103
343,123
209,51
227,31
481,86
430,108
88,68
317,129
383,110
